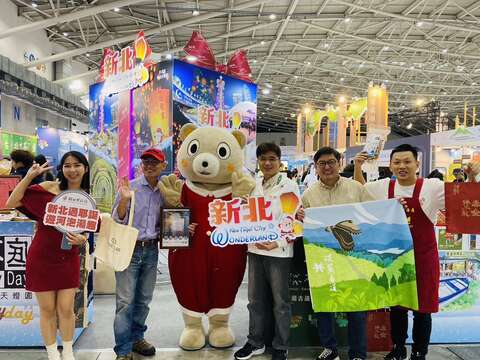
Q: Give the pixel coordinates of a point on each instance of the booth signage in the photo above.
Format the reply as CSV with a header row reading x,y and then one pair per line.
x,y
19,311
125,69
462,201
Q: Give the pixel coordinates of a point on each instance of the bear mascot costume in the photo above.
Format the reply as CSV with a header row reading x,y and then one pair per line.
x,y
206,278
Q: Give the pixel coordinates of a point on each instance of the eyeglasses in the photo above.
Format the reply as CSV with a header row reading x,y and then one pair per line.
x,y
330,162
152,162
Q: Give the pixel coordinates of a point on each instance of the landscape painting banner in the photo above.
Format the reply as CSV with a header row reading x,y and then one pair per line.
x,y
360,257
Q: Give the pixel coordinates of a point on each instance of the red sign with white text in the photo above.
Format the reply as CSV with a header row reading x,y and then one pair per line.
x,y
72,211
462,201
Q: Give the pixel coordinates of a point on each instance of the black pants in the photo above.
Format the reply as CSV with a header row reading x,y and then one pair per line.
x,y
422,328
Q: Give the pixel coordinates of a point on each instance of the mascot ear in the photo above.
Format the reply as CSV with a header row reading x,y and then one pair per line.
x,y
240,136
186,130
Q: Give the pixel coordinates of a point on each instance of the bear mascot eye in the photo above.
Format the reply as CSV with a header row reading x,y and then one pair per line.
x,y
223,151
193,147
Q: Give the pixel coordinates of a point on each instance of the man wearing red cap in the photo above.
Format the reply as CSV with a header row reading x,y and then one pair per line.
x,y
135,285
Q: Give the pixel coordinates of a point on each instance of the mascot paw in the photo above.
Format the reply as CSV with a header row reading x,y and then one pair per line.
x,y
171,189
193,335
242,185
219,333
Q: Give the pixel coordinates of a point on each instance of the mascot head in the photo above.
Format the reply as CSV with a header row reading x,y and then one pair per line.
x,y
210,155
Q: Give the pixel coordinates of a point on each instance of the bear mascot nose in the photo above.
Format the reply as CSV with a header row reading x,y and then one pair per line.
x,y
205,164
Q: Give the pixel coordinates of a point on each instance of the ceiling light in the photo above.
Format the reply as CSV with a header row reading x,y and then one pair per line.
x,y
409,126
341,79
420,23
267,108
326,46
444,51
191,58
272,17
87,54
361,65
116,9
347,20
34,4
254,61
195,13
168,56
265,91
296,77
75,85
308,63
412,67
474,83
65,34
386,48
406,91
268,85
419,102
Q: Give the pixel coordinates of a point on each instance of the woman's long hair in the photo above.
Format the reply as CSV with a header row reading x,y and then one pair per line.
x,y
85,184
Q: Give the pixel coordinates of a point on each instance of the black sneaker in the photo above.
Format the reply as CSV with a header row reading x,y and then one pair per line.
x,y
328,354
397,353
143,347
247,351
279,354
417,356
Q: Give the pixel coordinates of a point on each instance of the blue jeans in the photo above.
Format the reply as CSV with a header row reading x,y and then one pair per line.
x,y
135,287
357,329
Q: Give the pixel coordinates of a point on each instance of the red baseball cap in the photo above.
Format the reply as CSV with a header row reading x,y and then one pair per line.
x,y
155,153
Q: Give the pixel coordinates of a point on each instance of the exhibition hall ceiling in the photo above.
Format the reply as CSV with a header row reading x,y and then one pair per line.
x,y
301,51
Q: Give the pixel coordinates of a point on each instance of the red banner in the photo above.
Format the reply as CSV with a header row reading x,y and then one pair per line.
x,y
462,201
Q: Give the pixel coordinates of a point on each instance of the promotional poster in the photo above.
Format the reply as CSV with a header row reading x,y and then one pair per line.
x,y
19,312
360,257
54,143
209,98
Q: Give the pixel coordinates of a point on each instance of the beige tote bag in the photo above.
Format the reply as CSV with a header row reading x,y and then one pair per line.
x,y
116,242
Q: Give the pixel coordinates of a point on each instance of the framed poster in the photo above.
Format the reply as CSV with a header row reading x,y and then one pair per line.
x,y
174,228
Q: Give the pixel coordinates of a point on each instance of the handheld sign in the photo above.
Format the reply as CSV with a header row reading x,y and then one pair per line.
x,y
72,211
257,219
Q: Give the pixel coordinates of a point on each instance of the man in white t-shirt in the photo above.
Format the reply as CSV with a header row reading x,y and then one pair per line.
x,y
269,266
421,199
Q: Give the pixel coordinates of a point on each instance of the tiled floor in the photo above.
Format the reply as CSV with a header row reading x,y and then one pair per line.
x,y
165,325
436,353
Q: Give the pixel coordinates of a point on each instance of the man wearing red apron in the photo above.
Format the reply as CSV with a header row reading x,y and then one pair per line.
x,y
421,198
427,266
